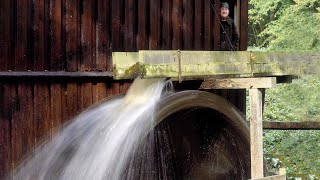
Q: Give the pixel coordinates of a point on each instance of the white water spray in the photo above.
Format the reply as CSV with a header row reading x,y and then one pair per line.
x,y
99,142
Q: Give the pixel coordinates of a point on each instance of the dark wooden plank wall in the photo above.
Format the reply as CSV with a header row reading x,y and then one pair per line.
x,y
70,35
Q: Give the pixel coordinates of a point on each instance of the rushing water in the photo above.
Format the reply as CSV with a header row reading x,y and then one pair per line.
x,y
116,139
98,143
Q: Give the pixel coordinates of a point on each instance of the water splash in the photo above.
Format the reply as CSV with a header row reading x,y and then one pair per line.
x,y
98,143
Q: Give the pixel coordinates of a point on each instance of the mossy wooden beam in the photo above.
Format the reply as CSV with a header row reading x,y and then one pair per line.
x,y
182,65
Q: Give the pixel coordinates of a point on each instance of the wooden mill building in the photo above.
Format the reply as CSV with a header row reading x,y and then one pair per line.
x,y
56,57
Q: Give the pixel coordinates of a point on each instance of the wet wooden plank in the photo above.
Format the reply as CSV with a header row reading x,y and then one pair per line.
x,y
12,35
123,87
188,23
72,23
166,27
21,35
70,100
103,36
64,105
55,106
116,30
48,38
56,57
99,92
7,94
30,36
39,37
115,88
142,39
130,23
208,14
86,36
116,26
244,25
93,33
16,141
176,24
154,38
109,89
198,25
85,95
216,27
4,34
22,135
42,126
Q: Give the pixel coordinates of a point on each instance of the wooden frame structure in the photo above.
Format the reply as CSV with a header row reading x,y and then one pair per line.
x,y
223,70
256,139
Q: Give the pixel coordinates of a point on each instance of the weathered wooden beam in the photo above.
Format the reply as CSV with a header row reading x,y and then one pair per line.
x,y
277,177
305,125
239,83
290,63
193,65
55,75
256,137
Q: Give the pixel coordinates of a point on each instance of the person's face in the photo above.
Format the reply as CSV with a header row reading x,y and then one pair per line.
x,y
224,12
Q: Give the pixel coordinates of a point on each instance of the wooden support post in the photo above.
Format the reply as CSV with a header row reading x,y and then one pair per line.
x,y
256,143
277,177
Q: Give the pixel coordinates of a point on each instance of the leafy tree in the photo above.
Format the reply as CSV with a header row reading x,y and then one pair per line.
x,y
285,24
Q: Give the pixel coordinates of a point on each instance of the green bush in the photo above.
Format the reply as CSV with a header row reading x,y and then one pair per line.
x,y
297,101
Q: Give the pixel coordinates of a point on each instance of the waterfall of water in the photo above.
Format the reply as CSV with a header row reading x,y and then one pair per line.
x,y
99,142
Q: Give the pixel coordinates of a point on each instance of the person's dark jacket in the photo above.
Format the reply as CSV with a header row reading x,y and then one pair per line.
x,y
228,29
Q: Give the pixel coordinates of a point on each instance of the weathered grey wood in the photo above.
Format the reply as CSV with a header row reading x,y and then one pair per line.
x,y
278,177
204,64
305,125
239,83
256,143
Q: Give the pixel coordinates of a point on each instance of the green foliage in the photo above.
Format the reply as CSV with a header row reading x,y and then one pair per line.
x,y
297,101
284,24
300,149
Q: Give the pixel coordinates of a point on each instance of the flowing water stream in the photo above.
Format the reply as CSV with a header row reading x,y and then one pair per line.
x,y
117,139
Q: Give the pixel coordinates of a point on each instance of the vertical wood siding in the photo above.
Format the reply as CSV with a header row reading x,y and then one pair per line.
x,y
71,35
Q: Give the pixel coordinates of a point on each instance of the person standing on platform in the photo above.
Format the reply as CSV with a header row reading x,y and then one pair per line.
x,y
229,38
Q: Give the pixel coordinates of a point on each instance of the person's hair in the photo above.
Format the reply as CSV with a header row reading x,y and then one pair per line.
x,y
225,5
